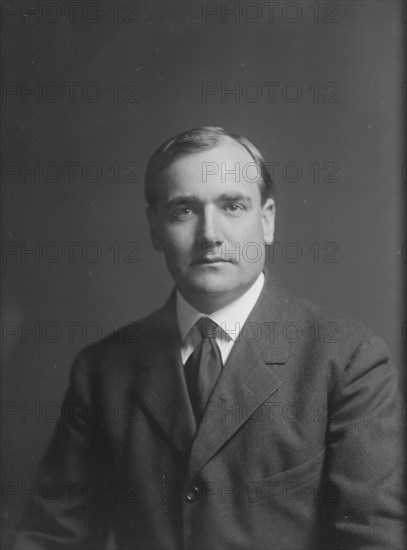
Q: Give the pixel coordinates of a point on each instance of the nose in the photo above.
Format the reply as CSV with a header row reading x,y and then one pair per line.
x,y
210,229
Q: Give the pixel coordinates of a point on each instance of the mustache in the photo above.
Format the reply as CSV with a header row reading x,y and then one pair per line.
x,y
211,253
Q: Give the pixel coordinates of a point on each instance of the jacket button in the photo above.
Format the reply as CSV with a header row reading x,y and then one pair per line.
x,y
192,494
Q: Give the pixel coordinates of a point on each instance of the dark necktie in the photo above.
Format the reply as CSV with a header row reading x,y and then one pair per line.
x,y
203,367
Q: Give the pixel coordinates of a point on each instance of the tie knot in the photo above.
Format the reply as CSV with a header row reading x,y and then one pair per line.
x,y
207,328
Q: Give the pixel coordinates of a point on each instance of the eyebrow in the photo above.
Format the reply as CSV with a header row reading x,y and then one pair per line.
x,y
192,199
184,199
236,197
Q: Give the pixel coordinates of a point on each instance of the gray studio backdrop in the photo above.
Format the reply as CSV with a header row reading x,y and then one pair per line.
x,y
90,91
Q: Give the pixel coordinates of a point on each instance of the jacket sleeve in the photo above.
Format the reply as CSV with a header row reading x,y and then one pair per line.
x,y
365,447
66,509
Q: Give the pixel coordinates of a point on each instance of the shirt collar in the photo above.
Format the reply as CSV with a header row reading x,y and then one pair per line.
x,y
230,318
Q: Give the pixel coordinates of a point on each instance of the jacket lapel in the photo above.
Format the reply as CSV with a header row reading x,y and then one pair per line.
x,y
160,382
247,379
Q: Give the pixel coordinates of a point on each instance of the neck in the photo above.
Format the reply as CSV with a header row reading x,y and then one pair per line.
x,y
209,303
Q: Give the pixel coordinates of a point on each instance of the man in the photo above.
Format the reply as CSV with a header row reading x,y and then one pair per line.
x,y
237,416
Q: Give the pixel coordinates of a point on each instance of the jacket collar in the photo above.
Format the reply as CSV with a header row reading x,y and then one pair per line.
x,y
247,379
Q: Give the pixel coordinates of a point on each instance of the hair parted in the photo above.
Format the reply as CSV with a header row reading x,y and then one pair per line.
x,y
194,141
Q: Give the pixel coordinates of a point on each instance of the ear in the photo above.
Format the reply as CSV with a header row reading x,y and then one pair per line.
x,y
154,228
268,218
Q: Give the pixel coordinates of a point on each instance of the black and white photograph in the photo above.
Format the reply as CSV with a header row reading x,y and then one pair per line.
x,y
203,263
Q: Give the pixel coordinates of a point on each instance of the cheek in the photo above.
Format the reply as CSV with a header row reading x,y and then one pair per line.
x,y
179,238
250,229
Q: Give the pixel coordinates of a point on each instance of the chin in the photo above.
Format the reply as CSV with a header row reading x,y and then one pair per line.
x,y
209,283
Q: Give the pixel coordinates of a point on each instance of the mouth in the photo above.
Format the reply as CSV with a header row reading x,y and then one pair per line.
x,y
210,260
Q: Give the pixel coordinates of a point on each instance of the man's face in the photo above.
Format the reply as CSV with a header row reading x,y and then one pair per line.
x,y
211,224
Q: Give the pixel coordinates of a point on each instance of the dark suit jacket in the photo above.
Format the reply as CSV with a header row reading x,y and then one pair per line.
x,y
300,447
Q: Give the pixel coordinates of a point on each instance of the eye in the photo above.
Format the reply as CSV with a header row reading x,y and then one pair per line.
x,y
234,208
185,210
182,213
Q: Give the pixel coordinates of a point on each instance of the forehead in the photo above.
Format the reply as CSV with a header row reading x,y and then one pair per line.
x,y
226,166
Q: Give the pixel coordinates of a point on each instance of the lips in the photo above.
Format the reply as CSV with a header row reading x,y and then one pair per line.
x,y
210,260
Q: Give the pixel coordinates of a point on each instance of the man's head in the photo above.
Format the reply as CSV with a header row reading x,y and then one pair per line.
x,y
211,209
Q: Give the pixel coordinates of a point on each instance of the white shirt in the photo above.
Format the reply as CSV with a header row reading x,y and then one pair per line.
x,y
230,319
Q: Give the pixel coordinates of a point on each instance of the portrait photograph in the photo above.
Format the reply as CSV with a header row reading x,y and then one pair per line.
x,y
203,263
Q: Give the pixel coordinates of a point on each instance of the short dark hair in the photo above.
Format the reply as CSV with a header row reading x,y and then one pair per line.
x,y
195,140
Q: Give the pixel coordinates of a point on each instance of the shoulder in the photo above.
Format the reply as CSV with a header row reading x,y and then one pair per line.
x,y
308,318
345,348
127,348
308,313
320,332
